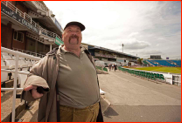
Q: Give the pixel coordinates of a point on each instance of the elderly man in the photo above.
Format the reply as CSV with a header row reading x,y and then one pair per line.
x,y
66,82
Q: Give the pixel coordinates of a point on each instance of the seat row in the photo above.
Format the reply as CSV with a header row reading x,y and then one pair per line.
x,y
8,62
144,74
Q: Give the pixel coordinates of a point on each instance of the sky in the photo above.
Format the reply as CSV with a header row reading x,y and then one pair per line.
x,y
144,27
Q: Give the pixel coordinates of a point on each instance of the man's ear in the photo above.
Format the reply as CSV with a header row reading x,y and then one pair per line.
x,y
62,34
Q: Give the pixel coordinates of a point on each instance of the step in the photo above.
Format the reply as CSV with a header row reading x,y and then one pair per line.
x,y
6,105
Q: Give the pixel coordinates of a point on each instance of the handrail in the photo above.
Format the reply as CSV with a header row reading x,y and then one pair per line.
x,y
29,19
48,33
15,71
10,89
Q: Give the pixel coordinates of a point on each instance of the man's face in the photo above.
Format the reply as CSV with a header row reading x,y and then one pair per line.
x,y
72,37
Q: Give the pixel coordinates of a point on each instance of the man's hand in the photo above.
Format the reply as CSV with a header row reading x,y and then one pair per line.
x,y
35,94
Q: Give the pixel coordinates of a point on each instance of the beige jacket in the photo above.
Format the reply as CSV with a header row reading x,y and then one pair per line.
x,y
44,74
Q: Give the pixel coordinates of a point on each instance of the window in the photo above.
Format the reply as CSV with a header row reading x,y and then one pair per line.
x,y
19,36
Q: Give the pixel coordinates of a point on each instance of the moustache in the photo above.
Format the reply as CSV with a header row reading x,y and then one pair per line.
x,y
73,36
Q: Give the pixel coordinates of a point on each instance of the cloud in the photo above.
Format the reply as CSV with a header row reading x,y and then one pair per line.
x,y
136,45
152,52
133,34
145,53
144,27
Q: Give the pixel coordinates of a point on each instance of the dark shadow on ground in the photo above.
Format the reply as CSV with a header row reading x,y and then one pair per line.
x,y
110,112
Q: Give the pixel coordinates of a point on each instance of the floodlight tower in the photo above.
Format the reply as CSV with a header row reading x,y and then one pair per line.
x,y
122,47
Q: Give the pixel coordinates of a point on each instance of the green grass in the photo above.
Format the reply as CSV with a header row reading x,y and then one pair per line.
x,y
162,69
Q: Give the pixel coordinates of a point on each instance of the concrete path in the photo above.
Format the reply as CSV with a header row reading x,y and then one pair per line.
x,y
138,100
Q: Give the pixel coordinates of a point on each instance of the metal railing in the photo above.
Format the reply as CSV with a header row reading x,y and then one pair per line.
x,y
28,18
48,33
41,6
16,72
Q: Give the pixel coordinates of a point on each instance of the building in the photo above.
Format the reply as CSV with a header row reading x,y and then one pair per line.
x,y
29,26
105,54
155,56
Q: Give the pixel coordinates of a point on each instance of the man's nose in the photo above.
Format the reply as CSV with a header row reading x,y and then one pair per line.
x,y
74,33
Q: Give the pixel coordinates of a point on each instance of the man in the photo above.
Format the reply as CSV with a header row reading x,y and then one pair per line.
x,y
66,82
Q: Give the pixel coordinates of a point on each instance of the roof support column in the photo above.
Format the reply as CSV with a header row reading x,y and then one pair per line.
x,y
50,47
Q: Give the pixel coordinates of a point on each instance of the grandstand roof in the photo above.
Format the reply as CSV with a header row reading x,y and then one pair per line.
x,y
101,48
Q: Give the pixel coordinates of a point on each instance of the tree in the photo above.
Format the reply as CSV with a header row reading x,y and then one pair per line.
x,y
139,61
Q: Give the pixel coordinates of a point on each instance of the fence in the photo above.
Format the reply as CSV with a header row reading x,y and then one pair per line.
x,y
16,72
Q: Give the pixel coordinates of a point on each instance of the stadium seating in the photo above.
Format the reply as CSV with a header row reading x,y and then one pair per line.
x,y
29,63
178,62
8,63
5,56
3,65
169,63
22,63
164,63
4,77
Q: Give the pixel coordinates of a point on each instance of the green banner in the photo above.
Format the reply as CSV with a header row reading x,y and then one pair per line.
x,y
58,41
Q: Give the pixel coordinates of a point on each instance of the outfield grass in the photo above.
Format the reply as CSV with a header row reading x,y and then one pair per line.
x,y
162,69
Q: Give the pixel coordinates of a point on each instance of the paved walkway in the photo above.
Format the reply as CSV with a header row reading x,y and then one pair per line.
x,y
138,100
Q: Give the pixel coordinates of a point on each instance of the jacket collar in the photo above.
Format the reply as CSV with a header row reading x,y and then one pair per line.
x,y
60,50
63,51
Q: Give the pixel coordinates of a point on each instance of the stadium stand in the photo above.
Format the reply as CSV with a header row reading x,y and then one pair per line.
x,y
153,62
144,62
164,63
178,62
169,63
